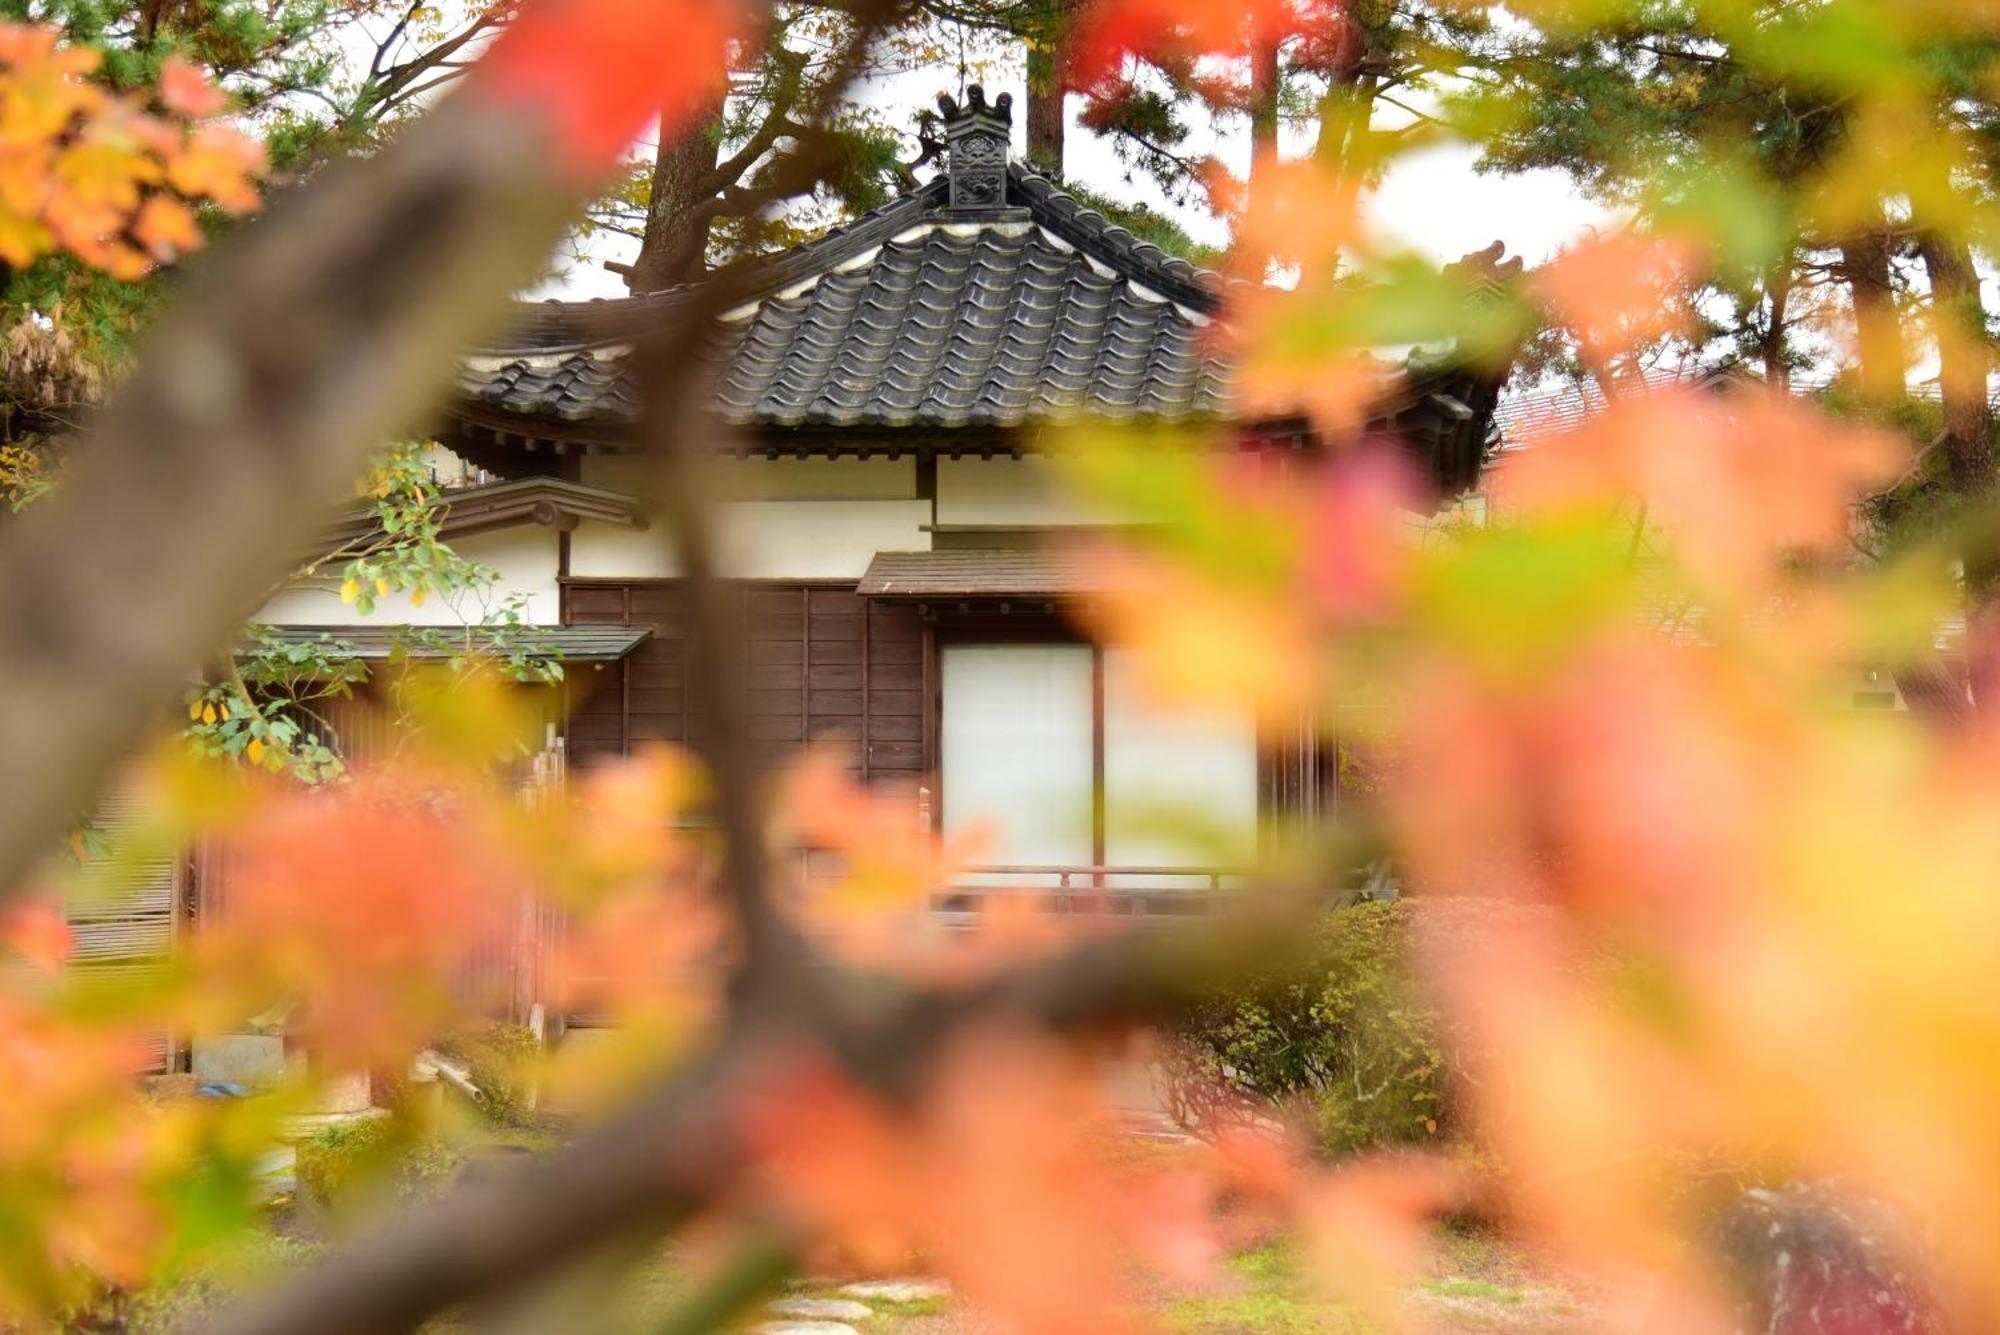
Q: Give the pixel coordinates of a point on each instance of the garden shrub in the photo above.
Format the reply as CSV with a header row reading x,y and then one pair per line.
x,y
505,1062
1346,1045
348,1160
502,1060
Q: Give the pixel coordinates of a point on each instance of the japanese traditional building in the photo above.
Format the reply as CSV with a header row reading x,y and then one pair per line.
x,y
882,395
882,398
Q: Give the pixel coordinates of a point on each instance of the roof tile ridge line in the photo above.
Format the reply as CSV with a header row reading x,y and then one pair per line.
x,y
768,274
821,254
1062,213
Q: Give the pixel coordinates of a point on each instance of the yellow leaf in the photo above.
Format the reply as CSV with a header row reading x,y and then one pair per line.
x,y
255,750
350,589
417,596
208,714
194,711
382,588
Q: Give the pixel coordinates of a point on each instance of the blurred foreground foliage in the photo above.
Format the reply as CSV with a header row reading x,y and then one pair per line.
x,y
1689,918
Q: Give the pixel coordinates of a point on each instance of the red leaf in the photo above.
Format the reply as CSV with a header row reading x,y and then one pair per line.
x,y
599,70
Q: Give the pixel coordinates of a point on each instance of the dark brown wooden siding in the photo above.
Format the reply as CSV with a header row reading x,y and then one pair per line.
x,y
820,663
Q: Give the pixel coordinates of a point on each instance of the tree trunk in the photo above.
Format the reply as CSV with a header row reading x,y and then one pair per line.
x,y
675,246
1263,104
1964,360
1771,346
1046,110
1878,334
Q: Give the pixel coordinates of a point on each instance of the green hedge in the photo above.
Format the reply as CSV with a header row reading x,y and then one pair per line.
x,y
1346,1045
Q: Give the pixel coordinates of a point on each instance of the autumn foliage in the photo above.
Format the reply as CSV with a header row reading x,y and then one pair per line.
x,y
93,172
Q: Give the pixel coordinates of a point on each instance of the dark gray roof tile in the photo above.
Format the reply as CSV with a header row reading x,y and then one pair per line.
x,y
913,316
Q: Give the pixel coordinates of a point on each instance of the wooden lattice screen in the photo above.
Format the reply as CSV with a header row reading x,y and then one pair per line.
x,y
124,914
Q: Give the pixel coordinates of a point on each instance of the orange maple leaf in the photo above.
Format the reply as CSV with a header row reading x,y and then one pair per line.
x,y
166,227
218,162
38,933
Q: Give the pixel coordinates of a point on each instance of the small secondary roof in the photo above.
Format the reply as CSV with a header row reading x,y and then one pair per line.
x,y
569,644
1031,572
538,500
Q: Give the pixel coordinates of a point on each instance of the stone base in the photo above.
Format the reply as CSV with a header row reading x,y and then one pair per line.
x,y
347,1094
254,1061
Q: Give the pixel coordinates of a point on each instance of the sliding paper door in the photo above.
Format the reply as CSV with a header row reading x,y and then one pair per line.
x,y
1016,751
1180,785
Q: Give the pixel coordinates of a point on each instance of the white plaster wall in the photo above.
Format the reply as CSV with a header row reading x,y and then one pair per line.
x,y
797,539
525,556
759,479
1005,493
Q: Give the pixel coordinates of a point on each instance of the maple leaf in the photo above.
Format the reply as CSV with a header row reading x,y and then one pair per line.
x,y
598,70
166,228
22,239
186,91
44,88
1621,292
99,172
218,162
38,933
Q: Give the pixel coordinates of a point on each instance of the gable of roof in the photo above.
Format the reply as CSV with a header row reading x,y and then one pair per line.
x,y
549,501
917,315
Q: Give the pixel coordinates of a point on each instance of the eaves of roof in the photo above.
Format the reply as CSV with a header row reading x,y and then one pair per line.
x,y
548,501
982,573
371,643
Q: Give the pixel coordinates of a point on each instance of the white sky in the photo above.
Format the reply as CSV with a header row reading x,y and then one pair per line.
x,y
1433,200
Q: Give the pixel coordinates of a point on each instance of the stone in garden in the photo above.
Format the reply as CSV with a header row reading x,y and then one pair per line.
x,y
821,1309
805,1328
898,1290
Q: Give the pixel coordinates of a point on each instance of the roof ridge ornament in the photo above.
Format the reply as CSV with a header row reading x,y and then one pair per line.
x,y
977,137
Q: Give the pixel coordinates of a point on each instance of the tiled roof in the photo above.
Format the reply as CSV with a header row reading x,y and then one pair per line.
x,y
570,644
983,304
916,315
1035,572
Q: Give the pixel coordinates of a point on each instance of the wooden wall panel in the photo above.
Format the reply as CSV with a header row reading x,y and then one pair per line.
x,y
820,664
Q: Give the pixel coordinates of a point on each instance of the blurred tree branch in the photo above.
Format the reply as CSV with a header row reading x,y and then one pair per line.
x,y
327,329
679,1149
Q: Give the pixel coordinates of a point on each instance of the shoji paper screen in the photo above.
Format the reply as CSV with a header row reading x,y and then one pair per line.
x,y
1015,748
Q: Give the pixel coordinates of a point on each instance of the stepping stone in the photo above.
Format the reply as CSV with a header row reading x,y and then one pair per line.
x,y
821,1309
899,1290
805,1328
